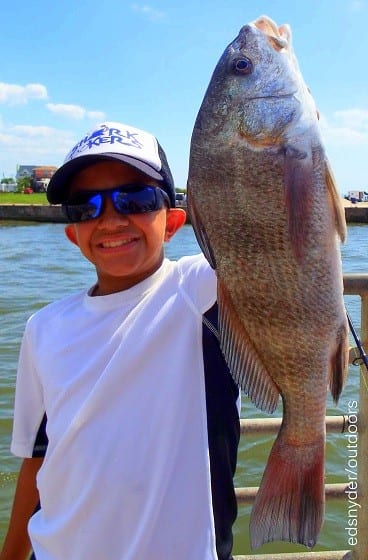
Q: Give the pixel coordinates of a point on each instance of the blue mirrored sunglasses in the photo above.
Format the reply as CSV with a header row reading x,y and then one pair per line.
x,y
127,199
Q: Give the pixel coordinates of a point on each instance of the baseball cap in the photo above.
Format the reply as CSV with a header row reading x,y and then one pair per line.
x,y
118,142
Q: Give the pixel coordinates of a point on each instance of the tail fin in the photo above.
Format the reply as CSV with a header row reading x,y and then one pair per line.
x,y
289,505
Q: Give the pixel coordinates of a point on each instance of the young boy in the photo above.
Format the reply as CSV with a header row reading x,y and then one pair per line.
x,y
128,383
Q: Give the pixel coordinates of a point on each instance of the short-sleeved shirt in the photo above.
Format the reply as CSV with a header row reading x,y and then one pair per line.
x,y
142,422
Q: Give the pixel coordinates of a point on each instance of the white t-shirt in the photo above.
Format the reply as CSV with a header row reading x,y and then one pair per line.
x,y
126,475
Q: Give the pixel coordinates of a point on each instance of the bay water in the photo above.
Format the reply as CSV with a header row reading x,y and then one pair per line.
x,y
39,265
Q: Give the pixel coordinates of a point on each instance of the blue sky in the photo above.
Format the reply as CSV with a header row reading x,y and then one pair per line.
x,y
67,65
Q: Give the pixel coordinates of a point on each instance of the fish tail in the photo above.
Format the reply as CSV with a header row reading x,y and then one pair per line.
x,y
289,505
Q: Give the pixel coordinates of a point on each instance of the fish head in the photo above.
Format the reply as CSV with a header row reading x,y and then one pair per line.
x,y
257,88
262,53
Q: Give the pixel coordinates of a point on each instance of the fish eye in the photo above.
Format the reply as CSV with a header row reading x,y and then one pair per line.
x,y
242,65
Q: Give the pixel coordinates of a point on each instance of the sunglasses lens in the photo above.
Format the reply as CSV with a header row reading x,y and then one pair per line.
x,y
138,200
81,211
128,199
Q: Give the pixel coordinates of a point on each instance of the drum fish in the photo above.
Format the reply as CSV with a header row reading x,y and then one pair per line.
x,y
268,217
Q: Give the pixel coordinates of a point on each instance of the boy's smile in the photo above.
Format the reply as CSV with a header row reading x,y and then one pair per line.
x,y
125,249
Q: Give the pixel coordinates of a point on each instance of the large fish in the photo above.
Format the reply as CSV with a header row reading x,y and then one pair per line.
x,y
267,214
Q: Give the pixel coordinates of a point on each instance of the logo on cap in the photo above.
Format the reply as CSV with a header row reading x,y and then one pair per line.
x,y
103,136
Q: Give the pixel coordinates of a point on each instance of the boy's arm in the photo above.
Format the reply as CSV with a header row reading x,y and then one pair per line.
x,y
17,545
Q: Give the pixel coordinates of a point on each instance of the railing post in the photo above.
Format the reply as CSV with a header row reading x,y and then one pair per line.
x,y
361,550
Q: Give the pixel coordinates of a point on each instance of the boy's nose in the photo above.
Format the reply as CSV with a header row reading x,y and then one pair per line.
x,y
109,214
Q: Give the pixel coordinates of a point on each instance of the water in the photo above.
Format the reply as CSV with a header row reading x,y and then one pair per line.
x,y
38,265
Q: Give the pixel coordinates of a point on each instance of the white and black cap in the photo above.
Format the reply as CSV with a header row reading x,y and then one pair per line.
x,y
113,141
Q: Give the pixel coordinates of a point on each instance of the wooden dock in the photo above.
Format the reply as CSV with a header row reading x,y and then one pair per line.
x,y
356,212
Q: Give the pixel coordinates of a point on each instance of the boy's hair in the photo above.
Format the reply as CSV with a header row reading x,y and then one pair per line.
x,y
118,142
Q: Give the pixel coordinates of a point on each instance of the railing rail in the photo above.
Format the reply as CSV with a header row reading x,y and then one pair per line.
x,y
268,426
354,284
247,495
337,555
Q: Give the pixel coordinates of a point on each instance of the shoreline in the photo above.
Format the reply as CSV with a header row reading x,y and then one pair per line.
x,y
32,213
36,213
354,213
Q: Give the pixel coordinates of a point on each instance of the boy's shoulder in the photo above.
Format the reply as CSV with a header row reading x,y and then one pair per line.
x,y
193,268
193,273
55,308
198,281
195,264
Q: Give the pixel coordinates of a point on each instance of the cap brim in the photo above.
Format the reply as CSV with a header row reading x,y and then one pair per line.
x,y
58,188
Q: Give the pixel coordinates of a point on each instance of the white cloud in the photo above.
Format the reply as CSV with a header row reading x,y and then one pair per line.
x,y
345,136
39,145
346,128
29,145
356,119
96,115
357,5
14,94
74,111
149,12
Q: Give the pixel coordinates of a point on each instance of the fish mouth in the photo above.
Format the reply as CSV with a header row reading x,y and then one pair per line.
x,y
278,37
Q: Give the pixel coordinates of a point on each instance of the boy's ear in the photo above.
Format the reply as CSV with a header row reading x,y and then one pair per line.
x,y
174,221
71,234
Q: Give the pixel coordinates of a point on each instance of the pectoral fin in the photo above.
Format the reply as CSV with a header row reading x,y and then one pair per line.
x,y
298,183
241,356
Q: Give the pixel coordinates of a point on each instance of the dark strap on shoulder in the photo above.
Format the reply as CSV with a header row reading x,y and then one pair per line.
x,y
223,428
41,442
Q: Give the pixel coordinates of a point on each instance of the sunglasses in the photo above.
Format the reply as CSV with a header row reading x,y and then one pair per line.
x,y
127,199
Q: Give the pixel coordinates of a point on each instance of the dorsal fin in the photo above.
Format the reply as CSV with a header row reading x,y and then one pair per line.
x,y
336,203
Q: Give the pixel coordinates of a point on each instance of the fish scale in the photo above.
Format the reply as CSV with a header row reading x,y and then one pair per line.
x,y
268,217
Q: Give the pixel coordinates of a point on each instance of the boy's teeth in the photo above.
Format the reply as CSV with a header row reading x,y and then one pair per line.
x,y
111,244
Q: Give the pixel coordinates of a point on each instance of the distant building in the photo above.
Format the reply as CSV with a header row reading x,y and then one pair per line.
x,y
44,171
181,199
39,175
8,187
24,171
357,196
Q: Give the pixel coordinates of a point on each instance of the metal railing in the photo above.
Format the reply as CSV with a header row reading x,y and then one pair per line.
x,y
338,555
354,284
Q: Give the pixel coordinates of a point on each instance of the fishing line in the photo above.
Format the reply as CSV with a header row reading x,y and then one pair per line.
x,y
359,344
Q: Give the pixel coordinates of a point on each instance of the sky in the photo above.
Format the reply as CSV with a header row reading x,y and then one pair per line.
x,y
66,66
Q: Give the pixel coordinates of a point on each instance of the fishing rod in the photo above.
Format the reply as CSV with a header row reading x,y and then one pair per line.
x,y
358,342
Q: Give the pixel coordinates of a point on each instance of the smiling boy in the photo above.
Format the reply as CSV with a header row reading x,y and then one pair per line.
x,y
140,411
125,249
